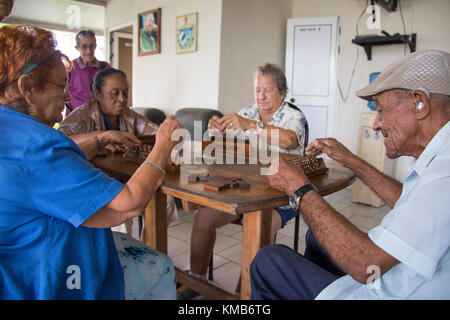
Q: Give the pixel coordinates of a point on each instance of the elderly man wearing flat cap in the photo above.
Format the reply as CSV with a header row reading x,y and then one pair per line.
x,y
407,256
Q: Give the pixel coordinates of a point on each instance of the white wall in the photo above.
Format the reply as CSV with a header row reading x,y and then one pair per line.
x,y
428,18
253,33
170,81
58,13
235,36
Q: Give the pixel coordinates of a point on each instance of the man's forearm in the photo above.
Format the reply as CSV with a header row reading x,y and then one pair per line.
x,y
385,187
351,249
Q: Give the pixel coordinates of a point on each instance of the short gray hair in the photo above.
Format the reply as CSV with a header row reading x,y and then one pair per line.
x,y
275,73
84,33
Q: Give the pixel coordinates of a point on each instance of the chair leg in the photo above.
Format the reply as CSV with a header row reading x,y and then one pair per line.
x,y
296,231
211,269
140,223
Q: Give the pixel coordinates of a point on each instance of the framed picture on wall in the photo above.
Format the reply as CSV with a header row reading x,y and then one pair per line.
x,y
186,29
149,25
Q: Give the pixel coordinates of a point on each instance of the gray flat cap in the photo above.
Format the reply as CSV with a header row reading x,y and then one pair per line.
x,y
428,69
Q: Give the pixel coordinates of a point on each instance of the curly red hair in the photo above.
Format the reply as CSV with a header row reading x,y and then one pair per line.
x,y
19,46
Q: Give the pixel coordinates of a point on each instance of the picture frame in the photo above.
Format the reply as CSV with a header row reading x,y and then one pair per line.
x,y
187,33
149,28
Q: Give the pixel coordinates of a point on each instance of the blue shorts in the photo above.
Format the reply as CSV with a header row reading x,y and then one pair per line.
x,y
286,214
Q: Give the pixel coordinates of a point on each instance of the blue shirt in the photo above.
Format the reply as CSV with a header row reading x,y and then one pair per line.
x,y
416,232
47,190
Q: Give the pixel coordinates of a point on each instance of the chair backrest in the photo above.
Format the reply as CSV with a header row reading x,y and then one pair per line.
x,y
306,140
187,116
155,115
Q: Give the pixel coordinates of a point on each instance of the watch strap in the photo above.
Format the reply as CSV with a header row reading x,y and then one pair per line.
x,y
300,192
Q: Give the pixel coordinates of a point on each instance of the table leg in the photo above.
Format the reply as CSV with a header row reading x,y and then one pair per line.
x,y
156,222
255,235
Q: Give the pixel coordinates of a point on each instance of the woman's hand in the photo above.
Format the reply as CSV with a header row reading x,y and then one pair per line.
x,y
94,142
164,141
231,121
117,141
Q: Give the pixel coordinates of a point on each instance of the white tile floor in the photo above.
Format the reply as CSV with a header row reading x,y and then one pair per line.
x,y
227,250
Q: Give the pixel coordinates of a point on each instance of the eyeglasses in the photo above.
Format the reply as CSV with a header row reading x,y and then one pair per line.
x,y
65,86
90,46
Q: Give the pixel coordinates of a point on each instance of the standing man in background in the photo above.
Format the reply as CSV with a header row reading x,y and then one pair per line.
x,y
84,70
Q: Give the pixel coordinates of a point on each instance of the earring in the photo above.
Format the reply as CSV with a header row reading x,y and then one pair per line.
x,y
30,111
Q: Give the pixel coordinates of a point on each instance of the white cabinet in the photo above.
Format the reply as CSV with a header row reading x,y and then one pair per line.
x,y
371,149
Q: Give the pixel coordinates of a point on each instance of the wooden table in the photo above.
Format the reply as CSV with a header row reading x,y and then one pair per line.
x,y
255,205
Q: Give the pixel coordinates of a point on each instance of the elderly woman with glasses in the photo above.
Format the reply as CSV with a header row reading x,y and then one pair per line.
x,y
55,237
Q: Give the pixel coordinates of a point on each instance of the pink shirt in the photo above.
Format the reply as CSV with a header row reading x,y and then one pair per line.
x,y
80,79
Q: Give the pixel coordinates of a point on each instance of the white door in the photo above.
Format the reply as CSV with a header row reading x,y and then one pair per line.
x,y
311,71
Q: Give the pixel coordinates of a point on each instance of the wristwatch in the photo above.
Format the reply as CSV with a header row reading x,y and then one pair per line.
x,y
296,196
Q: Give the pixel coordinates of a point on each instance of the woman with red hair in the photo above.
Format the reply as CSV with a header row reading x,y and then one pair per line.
x,y
55,241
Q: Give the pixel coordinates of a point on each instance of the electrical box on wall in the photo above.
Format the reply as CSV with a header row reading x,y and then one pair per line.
x,y
371,149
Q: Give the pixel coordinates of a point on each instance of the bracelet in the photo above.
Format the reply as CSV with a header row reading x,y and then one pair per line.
x,y
99,146
156,165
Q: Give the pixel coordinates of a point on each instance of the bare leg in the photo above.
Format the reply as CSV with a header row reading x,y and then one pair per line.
x,y
203,236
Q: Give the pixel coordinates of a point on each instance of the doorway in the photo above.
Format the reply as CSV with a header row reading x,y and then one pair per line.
x,y
121,54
